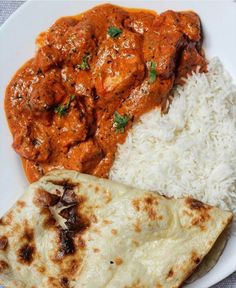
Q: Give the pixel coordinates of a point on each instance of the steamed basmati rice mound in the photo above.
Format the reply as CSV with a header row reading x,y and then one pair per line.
x,y
192,149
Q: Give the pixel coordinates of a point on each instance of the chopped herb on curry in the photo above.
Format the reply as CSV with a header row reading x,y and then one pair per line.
x,y
84,64
120,122
114,32
62,110
152,76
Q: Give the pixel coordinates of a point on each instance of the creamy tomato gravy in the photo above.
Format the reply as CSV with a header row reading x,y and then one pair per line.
x,y
108,61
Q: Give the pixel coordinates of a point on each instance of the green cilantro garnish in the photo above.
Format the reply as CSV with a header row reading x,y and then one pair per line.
x,y
120,122
62,110
84,64
114,32
152,73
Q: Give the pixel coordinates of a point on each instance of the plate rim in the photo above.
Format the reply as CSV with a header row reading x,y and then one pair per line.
x,y
28,3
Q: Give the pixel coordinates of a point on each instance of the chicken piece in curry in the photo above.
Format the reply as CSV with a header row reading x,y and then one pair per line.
x,y
92,77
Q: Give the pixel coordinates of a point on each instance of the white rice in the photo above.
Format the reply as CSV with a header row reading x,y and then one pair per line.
x,y
192,149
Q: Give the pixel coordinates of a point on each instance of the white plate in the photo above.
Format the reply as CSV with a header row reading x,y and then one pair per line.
x,y
17,38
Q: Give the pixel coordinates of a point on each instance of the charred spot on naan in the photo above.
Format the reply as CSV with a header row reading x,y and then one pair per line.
x,y
64,282
69,197
3,243
66,242
196,204
96,250
43,199
75,220
170,273
114,232
28,234
201,220
69,267
136,203
64,182
200,212
148,204
20,204
26,253
76,224
195,258
41,269
53,282
119,261
107,222
6,219
137,226
3,266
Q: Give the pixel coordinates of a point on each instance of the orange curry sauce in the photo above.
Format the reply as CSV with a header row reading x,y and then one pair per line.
x,y
93,75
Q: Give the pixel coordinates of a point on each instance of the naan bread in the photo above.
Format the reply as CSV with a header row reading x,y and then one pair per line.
x,y
72,230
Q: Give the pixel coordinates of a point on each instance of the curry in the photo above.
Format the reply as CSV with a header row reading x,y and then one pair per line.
x,y
92,77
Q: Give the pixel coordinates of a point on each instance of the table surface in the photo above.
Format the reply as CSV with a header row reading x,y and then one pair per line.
x,y
7,7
